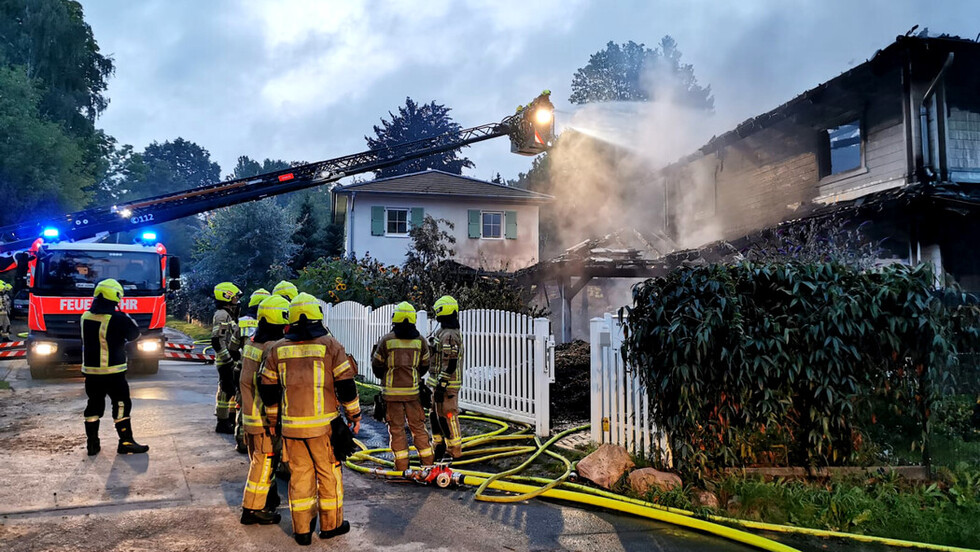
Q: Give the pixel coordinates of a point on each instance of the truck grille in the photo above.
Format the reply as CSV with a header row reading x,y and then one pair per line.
x,y
67,325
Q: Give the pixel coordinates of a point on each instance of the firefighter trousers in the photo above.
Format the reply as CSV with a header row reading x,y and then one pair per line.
x,y
315,484
398,414
113,385
445,425
261,480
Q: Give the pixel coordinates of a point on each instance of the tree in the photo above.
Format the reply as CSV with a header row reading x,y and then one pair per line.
x,y
306,238
632,72
43,171
415,122
175,166
248,244
54,44
247,167
124,168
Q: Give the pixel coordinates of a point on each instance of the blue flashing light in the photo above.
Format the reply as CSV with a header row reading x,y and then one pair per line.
x,y
50,232
149,236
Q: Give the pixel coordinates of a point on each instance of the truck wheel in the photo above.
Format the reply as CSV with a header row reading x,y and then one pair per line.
x,y
41,370
143,366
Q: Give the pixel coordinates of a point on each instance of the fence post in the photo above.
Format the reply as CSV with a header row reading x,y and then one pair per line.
x,y
542,377
422,323
596,331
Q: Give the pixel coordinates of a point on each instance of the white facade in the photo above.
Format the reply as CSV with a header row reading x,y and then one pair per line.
x,y
495,251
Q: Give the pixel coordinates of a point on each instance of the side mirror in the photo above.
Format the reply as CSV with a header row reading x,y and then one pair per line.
x,y
174,284
174,267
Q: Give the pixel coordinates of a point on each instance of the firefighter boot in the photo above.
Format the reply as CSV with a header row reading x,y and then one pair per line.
x,y
126,443
343,529
225,426
261,517
92,433
306,539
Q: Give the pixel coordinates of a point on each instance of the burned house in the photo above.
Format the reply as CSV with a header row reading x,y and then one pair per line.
x,y
893,142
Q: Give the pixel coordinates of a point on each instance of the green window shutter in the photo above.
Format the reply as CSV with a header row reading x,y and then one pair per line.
x,y
418,214
473,216
511,217
377,220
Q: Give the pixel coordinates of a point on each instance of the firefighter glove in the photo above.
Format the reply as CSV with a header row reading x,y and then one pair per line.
x,y
440,393
425,396
226,379
380,408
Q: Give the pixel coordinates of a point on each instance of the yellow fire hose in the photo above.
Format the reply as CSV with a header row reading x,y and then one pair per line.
x,y
583,494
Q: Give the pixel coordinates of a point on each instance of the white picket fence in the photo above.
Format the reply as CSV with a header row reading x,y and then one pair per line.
x,y
508,358
620,406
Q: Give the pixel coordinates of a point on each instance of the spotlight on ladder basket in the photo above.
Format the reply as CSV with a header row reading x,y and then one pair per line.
x,y
532,128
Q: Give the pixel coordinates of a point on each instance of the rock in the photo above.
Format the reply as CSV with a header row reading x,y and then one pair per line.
x,y
644,479
705,498
606,465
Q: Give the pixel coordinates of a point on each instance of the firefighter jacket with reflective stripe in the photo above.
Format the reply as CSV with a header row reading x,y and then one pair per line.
x,y
400,365
104,337
253,411
447,346
225,328
306,372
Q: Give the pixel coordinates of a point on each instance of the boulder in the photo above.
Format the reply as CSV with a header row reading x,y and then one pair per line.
x,y
705,498
606,465
645,479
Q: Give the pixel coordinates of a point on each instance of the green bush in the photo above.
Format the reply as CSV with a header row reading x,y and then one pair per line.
x,y
777,363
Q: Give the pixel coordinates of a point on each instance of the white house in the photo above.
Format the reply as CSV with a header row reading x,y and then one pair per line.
x,y
496,226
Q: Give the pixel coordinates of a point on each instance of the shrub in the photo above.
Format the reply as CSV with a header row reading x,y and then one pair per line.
x,y
776,363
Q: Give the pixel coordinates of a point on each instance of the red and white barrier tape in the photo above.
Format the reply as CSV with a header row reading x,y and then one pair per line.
x,y
14,353
12,344
188,356
180,346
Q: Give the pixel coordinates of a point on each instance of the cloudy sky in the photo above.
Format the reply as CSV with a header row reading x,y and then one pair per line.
x,y
307,79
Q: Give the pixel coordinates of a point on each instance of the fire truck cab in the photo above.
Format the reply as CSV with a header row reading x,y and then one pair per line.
x,y
62,277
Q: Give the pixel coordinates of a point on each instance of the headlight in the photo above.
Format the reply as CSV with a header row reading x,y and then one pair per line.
x,y
148,346
45,348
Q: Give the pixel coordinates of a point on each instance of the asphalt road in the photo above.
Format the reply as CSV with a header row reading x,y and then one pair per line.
x,y
185,495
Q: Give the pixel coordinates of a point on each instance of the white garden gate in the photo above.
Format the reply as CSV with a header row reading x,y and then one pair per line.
x,y
508,358
620,411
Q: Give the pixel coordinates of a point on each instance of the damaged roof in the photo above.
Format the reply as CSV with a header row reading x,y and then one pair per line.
x,y
623,254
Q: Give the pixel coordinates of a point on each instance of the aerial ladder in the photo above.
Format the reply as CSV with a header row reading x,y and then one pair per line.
x,y
531,131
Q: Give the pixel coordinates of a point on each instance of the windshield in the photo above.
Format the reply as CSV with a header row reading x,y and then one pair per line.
x,y
77,272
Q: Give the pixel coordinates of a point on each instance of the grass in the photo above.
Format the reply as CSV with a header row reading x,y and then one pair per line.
x,y
942,512
196,332
4,384
366,394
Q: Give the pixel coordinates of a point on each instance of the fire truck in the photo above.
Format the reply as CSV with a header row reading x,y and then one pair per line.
x,y
61,278
62,270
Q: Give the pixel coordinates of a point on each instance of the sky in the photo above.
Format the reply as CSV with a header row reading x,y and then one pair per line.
x,y
307,79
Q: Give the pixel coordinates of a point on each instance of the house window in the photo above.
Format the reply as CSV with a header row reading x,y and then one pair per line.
x,y
842,149
492,225
396,222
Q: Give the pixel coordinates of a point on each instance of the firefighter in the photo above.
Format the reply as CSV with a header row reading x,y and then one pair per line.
x,y
285,289
400,360
320,380
261,495
446,378
247,324
105,332
5,303
224,330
